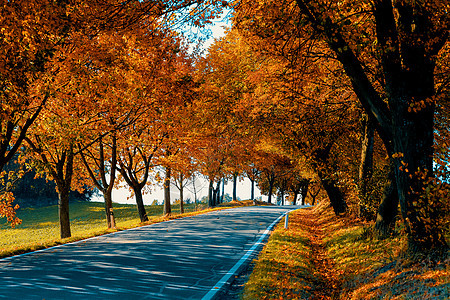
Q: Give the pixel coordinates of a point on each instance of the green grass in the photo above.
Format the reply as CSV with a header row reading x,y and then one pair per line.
x,y
362,267
283,269
380,269
40,226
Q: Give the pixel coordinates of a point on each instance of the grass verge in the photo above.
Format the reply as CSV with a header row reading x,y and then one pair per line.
x,y
322,256
283,269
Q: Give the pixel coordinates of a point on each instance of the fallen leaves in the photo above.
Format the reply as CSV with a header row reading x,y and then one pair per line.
x,y
322,256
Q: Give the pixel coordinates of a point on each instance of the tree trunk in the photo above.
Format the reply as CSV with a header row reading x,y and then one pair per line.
x,y
270,191
387,211
313,196
110,220
99,177
283,191
211,193
326,172
412,117
413,138
112,177
252,190
216,196
235,176
63,206
294,198
222,195
63,179
366,164
167,207
408,41
334,194
181,194
195,192
140,203
304,190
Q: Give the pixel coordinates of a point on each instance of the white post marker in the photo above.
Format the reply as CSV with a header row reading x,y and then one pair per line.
x,y
286,221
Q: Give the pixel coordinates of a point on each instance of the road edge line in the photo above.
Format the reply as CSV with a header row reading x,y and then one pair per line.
x,y
220,284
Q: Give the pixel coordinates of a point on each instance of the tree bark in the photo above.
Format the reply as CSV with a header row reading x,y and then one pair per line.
x,y
387,211
222,195
63,179
270,191
195,192
271,180
325,171
235,176
216,196
413,138
140,203
63,211
181,194
252,190
132,179
294,198
62,173
102,184
167,207
110,220
313,196
283,191
334,194
304,190
366,165
211,194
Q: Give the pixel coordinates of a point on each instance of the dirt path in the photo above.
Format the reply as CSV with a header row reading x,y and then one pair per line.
x,y
327,285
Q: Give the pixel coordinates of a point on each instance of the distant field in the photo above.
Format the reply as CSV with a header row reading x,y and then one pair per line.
x,y
40,226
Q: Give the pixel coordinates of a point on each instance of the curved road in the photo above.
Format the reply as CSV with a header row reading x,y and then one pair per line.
x,y
179,259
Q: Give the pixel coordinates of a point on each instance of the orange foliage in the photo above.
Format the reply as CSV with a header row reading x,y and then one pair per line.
x,y
7,210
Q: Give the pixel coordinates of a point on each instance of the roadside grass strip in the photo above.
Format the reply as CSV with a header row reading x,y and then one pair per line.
x,y
357,266
283,269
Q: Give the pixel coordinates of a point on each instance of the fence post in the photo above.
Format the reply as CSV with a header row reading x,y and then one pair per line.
x,y
286,221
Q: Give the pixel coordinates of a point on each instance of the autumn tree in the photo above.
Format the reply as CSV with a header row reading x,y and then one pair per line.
x,y
184,168
252,174
116,85
224,84
388,51
131,82
32,32
135,162
53,148
295,108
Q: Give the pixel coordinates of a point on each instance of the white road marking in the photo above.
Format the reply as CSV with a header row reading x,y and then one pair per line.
x,y
219,285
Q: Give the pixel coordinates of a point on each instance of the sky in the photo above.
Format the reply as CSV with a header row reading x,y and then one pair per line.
x,y
122,195
217,29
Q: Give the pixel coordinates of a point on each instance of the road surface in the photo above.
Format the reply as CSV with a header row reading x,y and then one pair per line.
x,y
179,259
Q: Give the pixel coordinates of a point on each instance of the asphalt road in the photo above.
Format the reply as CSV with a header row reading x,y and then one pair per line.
x,y
182,259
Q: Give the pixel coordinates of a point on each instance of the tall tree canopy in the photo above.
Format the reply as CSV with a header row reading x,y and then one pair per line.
x,y
388,51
